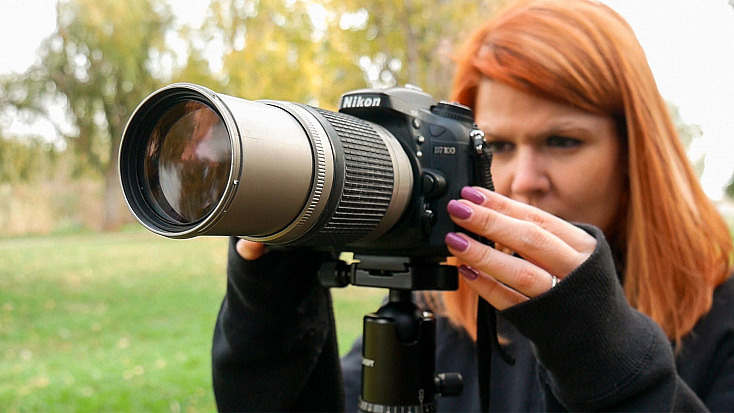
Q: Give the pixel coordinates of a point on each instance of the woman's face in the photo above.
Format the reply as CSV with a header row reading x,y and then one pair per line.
x,y
552,156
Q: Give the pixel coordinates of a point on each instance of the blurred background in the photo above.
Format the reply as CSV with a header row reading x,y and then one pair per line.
x,y
97,314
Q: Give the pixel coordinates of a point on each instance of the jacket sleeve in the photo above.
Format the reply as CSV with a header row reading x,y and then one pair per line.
x,y
706,359
595,351
274,346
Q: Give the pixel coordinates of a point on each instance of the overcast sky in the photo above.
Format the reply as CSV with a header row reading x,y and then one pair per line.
x,y
689,43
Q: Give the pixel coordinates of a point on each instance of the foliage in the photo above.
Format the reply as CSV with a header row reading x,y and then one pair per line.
x,y
410,41
98,66
687,134
313,51
96,63
278,50
26,159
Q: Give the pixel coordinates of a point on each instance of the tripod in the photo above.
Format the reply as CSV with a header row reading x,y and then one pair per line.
x,y
398,356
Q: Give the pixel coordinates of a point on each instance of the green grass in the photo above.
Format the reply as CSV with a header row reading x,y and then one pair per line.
x,y
119,322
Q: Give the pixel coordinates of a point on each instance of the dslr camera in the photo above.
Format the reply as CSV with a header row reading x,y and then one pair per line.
x,y
373,178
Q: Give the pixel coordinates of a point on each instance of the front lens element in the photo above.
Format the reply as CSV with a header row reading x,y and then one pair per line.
x,y
187,162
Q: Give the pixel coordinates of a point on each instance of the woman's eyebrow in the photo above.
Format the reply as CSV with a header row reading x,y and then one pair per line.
x,y
561,129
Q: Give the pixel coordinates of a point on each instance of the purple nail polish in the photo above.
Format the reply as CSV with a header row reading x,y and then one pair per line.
x,y
454,241
468,272
458,209
471,194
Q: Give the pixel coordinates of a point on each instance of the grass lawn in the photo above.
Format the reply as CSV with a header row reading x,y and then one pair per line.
x,y
119,322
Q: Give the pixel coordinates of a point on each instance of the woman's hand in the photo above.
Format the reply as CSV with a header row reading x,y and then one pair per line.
x,y
549,246
250,250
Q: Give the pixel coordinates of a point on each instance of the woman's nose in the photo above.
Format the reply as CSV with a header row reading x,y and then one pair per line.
x,y
530,178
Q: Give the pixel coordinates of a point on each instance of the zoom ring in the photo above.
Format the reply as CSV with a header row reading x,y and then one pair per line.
x,y
368,182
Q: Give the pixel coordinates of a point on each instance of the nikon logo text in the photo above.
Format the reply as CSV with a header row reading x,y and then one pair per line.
x,y
360,101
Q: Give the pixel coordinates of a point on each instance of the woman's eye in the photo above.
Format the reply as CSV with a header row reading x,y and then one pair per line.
x,y
562,142
499,146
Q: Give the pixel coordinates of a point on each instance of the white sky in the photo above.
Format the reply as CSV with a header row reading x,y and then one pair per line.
x,y
689,43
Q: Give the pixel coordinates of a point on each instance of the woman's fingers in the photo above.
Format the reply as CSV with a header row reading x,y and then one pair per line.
x,y
250,250
525,278
493,291
550,247
547,241
571,234
533,243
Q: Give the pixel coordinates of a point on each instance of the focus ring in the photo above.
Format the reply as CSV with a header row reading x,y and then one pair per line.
x,y
368,182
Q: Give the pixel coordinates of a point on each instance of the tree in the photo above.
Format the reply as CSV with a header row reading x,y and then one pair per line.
x,y
104,58
279,49
23,159
411,41
313,51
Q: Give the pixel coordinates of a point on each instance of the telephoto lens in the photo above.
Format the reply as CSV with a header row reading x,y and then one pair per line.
x,y
195,162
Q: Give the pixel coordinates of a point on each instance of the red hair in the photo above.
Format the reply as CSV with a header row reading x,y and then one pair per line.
x,y
672,245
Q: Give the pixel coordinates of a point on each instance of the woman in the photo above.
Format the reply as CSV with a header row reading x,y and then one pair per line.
x,y
631,308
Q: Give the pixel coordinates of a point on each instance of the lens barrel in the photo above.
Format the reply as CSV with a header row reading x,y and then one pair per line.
x,y
194,162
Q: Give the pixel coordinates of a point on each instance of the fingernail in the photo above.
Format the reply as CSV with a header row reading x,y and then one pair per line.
x,y
458,209
454,241
471,194
468,272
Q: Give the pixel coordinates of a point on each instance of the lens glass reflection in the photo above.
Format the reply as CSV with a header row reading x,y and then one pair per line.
x,y
187,162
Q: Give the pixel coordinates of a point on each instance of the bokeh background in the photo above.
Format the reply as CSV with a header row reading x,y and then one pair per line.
x,y
98,315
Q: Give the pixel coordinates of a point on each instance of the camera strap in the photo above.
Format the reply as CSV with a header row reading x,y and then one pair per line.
x,y
483,160
487,341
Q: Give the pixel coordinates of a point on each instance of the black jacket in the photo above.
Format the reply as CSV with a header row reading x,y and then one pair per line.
x,y
578,347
